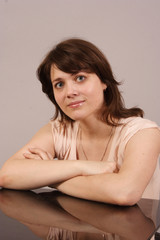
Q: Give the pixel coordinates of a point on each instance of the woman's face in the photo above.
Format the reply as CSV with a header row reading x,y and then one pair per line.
x,y
78,95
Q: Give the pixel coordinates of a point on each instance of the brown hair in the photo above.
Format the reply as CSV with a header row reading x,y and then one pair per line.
x,y
74,55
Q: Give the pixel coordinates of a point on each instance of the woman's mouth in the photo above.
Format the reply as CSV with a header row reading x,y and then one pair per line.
x,y
76,104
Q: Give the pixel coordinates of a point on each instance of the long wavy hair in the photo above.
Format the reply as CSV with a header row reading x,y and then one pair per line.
x,y
74,55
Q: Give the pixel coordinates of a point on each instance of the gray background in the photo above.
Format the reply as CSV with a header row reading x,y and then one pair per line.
x,y
127,31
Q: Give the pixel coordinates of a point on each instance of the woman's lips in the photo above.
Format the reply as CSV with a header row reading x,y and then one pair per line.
x,y
75,104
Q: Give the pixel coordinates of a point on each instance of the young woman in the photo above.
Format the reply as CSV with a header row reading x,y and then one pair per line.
x,y
117,150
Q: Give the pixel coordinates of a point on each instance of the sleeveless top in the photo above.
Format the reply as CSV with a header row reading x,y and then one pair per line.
x,y
65,136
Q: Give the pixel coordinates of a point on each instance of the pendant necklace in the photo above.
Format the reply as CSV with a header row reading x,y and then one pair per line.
x,y
110,135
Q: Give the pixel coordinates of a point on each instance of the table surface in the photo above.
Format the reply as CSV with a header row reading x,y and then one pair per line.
x,y
43,214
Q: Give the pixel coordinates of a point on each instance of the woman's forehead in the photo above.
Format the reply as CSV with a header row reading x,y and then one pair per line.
x,y
56,70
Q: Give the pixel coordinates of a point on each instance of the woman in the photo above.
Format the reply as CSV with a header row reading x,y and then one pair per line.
x,y
117,149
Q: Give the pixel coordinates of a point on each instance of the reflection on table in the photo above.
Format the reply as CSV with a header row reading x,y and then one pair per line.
x,y
52,215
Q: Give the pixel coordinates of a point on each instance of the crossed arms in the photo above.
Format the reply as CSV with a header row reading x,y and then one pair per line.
x,y
33,167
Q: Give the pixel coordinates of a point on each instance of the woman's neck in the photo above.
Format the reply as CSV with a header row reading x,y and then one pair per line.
x,y
95,128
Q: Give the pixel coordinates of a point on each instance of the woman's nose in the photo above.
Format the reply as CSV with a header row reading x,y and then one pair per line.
x,y
71,90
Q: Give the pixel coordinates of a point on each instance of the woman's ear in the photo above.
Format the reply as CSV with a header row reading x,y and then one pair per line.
x,y
104,86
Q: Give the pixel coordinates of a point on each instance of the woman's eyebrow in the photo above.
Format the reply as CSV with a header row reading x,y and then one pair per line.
x,y
79,72
72,74
56,79
60,78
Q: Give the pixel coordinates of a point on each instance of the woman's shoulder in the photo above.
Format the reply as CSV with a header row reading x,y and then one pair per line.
x,y
137,122
64,128
127,129
130,126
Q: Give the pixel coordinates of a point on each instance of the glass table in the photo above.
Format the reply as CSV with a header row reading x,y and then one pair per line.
x,y
47,214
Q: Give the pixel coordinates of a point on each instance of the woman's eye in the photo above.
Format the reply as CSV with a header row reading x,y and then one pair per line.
x,y
59,85
80,78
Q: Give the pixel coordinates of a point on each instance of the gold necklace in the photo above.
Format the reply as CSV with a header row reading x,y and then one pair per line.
x,y
104,149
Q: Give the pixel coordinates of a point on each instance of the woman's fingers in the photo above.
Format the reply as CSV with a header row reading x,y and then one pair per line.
x,y
31,156
37,153
110,167
42,154
49,155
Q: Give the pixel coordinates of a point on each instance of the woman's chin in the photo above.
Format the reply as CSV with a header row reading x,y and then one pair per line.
x,y
77,117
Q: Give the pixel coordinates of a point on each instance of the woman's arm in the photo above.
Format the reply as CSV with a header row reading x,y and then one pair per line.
x,y
33,166
127,186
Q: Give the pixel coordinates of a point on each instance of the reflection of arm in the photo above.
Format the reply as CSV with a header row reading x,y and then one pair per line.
x,y
33,211
26,207
109,218
75,215
125,187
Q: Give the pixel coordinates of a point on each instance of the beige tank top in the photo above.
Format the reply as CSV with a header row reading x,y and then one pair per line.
x,y
65,136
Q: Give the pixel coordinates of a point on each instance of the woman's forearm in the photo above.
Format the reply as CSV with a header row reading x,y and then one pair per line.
x,y
109,188
86,187
36,173
31,174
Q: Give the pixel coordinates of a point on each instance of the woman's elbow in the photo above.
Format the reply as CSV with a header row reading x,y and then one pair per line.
x,y
4,179
1,179
128,199
125,198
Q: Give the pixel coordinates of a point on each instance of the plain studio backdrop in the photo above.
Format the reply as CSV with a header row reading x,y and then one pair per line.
x,y
127,31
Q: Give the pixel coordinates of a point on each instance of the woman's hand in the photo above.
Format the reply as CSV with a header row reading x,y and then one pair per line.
x,y
96,167
37,153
